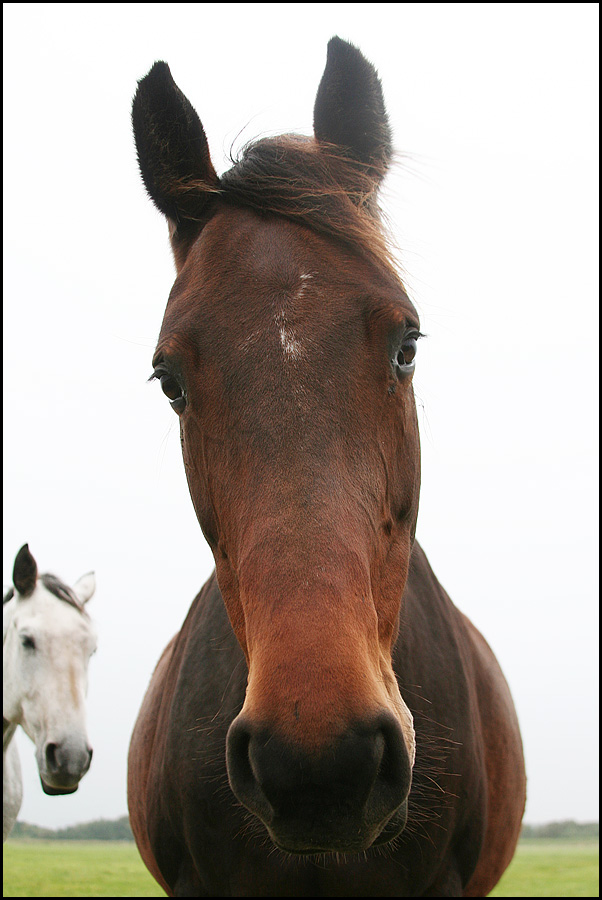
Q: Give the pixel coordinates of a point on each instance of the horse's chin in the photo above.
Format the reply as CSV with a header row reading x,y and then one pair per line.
x,y
391,830
56,791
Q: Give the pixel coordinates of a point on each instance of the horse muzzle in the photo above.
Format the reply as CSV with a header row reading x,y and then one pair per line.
x,y
344,798
62,766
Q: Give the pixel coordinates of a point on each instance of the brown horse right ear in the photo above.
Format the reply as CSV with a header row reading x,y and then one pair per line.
x,y
173,153
25,572
349,110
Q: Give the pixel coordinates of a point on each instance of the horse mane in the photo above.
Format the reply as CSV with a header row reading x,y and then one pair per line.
x,y
309,182
57,588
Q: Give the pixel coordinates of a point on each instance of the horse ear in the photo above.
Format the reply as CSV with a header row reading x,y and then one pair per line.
x,y
85,587
173,153
349,111
25,572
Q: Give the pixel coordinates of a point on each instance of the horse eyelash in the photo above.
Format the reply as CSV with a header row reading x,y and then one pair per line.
x,y
158,373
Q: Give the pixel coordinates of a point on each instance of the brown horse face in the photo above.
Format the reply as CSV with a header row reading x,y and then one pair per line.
x,y
289,361
301,451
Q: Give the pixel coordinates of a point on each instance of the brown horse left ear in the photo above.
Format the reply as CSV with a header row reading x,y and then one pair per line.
x,y
349,111
25,572
173,153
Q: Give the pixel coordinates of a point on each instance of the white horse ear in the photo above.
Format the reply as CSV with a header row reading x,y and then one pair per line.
x,y
85,587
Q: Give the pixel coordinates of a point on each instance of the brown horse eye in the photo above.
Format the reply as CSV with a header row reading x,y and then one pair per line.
x,y
407,354
173,392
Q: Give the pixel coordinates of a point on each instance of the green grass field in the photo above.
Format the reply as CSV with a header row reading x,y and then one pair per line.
x,y
76,869
540,868
552,868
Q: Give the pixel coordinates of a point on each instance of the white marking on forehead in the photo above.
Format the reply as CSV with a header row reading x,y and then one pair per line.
x,y
291,347
304,279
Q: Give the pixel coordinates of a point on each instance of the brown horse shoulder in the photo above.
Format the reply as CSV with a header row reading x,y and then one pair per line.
x,y
140,758
504,759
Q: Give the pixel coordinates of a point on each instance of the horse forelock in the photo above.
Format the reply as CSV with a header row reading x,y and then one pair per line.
x,y
312,183
57,588
61,591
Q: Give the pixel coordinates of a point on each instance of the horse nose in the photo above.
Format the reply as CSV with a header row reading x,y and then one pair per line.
x,y
66,760
340,798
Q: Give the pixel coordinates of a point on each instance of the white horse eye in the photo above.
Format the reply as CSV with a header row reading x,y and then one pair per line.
x,y
28,642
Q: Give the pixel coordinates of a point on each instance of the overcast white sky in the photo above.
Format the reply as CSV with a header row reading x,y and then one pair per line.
x,y
496,215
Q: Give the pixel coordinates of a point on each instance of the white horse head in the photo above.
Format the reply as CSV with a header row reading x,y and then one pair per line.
x,y
48,641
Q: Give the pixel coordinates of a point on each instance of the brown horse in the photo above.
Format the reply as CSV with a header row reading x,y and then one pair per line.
x,y
326,722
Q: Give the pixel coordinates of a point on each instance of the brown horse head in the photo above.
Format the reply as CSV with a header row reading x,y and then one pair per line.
x,y
287,351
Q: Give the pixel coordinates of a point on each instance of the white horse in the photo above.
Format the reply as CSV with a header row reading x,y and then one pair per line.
x,y
48,641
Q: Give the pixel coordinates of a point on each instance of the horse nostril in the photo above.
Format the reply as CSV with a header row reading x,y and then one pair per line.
x,y
64,760
237,754
395,766
241,774
51,760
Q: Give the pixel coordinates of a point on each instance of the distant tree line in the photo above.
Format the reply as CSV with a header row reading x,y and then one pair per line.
x,y
566,830
119,830
99,830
